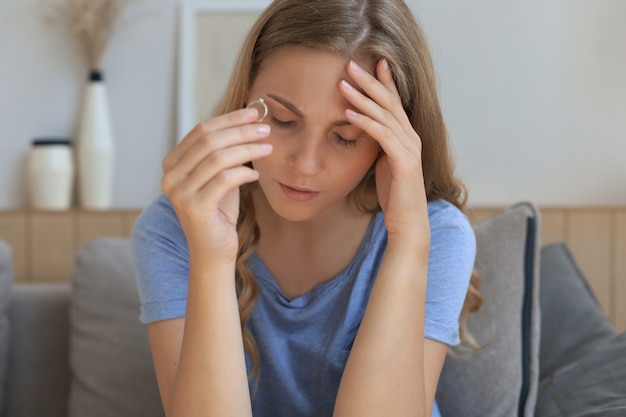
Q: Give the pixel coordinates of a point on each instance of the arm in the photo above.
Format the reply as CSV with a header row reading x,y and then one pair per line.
x,y
392,368
199,360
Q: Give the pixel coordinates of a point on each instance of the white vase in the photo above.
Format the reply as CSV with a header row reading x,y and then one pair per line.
x,y
51,174
95,148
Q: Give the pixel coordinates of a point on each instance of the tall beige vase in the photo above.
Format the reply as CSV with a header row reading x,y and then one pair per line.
x,y
95,147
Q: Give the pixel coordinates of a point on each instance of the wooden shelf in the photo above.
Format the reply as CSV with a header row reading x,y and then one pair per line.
x,y
44,243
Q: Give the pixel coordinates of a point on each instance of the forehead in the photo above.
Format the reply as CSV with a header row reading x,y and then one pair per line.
x,y
303,68
303,62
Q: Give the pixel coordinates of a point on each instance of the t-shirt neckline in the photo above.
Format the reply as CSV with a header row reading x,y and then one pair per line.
x,y
264,276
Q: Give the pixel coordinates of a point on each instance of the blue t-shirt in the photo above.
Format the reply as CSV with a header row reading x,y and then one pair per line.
x,y
304,342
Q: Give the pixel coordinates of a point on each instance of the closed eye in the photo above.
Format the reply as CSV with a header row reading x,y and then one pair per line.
x,y
284,123
343,141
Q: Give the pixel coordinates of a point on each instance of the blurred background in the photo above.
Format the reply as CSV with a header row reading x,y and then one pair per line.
x,y
534,95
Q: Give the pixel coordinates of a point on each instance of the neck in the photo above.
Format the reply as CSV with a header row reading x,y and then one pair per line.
x,y
301,255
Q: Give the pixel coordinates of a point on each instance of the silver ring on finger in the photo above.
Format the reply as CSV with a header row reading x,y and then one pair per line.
x,y
260,103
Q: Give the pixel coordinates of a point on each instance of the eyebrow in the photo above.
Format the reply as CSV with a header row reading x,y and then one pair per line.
x,y
295,110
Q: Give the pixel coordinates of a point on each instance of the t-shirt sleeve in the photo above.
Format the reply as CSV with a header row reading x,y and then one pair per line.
x,y
161,260
450,266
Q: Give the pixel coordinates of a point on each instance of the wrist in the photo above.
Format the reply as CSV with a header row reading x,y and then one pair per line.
x,y
409,243
213,265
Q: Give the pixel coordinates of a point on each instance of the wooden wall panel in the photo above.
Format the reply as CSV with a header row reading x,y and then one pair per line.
x,y
476,214
589,238
92,225
619,271
53,244
129,221
552,226
14,230
44,243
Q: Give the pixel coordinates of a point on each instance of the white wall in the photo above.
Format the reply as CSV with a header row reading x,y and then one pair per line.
x,y
534,93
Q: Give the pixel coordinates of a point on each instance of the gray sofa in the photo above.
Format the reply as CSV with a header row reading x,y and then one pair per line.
x,y
77,349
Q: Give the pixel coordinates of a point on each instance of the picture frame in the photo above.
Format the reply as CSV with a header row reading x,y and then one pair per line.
x,y
211,34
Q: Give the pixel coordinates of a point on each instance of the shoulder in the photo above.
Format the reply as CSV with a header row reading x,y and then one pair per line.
x,y
159,211
158,218
448,222
450,265
444,212
161,260
452,235
157,229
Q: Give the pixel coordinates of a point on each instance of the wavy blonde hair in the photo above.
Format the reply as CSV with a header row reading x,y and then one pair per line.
x,y
362,29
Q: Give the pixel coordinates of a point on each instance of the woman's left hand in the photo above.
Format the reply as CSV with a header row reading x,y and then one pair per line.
x,y
399,176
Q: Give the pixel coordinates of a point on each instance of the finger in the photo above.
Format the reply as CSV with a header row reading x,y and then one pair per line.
x,y
208,145
377,92
375,111
218,158
178,170
210,168
226,181
394,126
384,75
376,121
216,141
381,133
214,124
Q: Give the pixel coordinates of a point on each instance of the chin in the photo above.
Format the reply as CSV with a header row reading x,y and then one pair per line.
x,y
294,212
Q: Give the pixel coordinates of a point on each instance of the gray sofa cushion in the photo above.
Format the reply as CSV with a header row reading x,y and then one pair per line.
x,y
38,375
582,360
6,278
110,359
591,386
500,379
572,321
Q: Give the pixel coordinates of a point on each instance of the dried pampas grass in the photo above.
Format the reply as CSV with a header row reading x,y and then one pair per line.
x,y
90,22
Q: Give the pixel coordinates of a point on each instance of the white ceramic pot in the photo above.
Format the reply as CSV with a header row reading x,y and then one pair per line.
x,y
51,174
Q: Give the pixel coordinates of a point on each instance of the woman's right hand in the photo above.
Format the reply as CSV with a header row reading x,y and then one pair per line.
x,y
202,176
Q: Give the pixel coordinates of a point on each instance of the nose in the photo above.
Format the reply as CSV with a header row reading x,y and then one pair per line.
x,y
306,155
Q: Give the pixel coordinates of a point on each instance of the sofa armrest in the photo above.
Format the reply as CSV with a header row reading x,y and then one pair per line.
x,y
38,376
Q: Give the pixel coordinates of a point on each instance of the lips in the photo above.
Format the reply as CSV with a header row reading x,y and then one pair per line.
x,y
298,194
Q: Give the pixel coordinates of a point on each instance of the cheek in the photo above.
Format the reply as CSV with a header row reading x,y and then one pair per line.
x,y
371,151
273,160
359,166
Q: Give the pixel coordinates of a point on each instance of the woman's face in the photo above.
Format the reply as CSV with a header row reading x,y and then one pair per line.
x,y
318,157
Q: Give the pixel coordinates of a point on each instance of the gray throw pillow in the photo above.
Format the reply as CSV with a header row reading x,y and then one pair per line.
x,y
110,359
591,386
572,321
501,378
6,279
582,359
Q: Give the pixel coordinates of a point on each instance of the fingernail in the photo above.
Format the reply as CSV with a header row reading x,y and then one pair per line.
x,y
354,66
385,65
266,148
262,129
347,85
351,113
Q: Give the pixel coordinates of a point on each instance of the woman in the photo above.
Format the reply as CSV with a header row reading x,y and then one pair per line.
x,y
314,263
